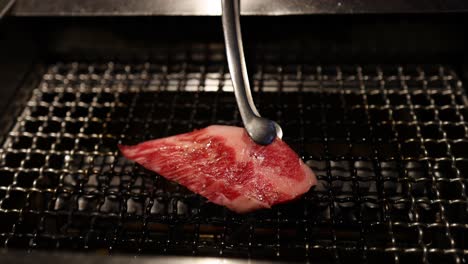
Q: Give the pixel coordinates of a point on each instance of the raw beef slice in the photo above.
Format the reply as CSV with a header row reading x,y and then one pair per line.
x,y
224,165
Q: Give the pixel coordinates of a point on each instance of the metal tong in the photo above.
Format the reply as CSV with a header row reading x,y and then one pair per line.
x,y
263,131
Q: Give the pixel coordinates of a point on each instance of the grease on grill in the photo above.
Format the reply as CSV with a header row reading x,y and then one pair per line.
x,y
389,146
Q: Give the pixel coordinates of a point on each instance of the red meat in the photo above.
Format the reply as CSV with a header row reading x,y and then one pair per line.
x,y
224,165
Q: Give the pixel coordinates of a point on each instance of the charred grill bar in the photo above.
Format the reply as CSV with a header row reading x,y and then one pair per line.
x,y
387,143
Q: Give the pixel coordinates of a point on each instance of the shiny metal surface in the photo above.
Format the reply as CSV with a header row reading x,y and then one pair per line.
x,y
213,8
42,258
5,6
395,131
261,130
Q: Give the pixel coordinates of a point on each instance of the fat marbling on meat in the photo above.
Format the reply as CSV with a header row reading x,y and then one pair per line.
x,y
224,165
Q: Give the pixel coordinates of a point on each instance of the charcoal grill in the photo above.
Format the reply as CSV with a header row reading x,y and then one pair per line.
x,y
377,108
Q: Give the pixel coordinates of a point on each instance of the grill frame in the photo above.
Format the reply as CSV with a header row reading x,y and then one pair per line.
x,y
257,7
333,237
374,39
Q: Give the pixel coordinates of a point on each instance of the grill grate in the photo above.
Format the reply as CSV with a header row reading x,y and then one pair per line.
x,y
389,145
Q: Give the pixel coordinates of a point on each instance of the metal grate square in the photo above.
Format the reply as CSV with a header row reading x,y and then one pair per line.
x,y
388,144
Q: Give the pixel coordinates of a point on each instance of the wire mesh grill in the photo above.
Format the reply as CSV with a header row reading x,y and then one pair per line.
x,y
389,145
